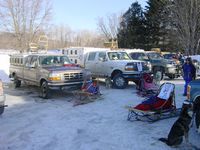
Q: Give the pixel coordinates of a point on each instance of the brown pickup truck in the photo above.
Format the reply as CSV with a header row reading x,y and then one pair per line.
x,y
47,71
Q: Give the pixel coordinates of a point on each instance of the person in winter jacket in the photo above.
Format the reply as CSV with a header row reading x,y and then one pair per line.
x,y
189,73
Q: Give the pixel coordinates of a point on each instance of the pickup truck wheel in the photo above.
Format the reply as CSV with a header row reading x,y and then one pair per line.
x,y
44,93
119,82
17,83
171,76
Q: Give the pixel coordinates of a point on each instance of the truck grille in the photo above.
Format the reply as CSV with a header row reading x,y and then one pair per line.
x,y
73,76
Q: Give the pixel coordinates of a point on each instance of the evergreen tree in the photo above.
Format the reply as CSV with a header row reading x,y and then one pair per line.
x,y
156,25
131,31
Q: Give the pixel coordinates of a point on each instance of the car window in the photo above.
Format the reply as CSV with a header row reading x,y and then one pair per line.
x,y
118,56
154,56
54,60
33,61
91,56
28,61
169,56
138,56
102,56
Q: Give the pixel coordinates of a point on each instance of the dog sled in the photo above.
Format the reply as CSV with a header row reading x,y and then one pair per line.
x,y
89,92
2,99
159,106
146,85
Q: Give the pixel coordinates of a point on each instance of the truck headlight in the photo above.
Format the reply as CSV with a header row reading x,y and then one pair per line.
x,y
54,77
188,92
149,65
170,65
129,68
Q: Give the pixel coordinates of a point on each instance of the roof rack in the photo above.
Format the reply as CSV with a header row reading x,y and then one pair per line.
x,y
41,46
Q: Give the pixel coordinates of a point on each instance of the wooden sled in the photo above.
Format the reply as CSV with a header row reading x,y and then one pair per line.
x,y
82,97
89,92
166,109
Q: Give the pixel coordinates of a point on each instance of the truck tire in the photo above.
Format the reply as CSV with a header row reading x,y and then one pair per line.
x,y
17,83
44,90
172,76
119,82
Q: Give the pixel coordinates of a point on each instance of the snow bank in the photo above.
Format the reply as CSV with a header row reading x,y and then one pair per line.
x,y
4,67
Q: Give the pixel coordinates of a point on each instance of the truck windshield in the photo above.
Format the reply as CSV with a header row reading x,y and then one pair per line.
x,y
154,56
118,56
139,56
54,60
169,56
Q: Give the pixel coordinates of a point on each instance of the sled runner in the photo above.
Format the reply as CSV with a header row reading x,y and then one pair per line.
x,y
160,106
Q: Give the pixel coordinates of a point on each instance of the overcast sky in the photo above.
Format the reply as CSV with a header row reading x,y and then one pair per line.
x,y
83,14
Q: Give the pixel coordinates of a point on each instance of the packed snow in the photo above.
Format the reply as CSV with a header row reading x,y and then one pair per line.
x,y
31,123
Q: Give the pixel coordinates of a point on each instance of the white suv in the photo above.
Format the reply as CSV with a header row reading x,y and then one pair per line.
x,y
116,65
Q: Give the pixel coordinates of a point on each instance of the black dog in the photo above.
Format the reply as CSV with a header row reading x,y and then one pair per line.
x,y
180,128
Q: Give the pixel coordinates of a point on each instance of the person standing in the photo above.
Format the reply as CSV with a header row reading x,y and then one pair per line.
x,y
189,73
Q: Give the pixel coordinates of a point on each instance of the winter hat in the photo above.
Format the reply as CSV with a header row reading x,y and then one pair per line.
x,y
188,59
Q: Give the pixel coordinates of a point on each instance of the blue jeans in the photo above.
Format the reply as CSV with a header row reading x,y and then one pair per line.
x,y
185,86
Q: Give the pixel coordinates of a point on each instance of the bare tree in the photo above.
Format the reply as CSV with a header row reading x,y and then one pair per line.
x,y
185,17
90,38
62,36
109,26
24,18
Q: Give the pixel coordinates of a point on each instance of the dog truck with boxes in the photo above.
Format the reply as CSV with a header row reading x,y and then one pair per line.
x,y
77,54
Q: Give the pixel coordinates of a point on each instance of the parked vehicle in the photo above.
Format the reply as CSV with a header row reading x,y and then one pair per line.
x,y
170,56
158,63
47,71
116,65
193,95
197,66
173,57
77,54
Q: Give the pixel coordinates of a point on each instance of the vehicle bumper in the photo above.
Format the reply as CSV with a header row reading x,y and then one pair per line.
x,y
64,84
131,76
172,71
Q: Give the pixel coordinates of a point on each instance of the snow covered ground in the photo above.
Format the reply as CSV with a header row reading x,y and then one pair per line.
x,y
30,123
